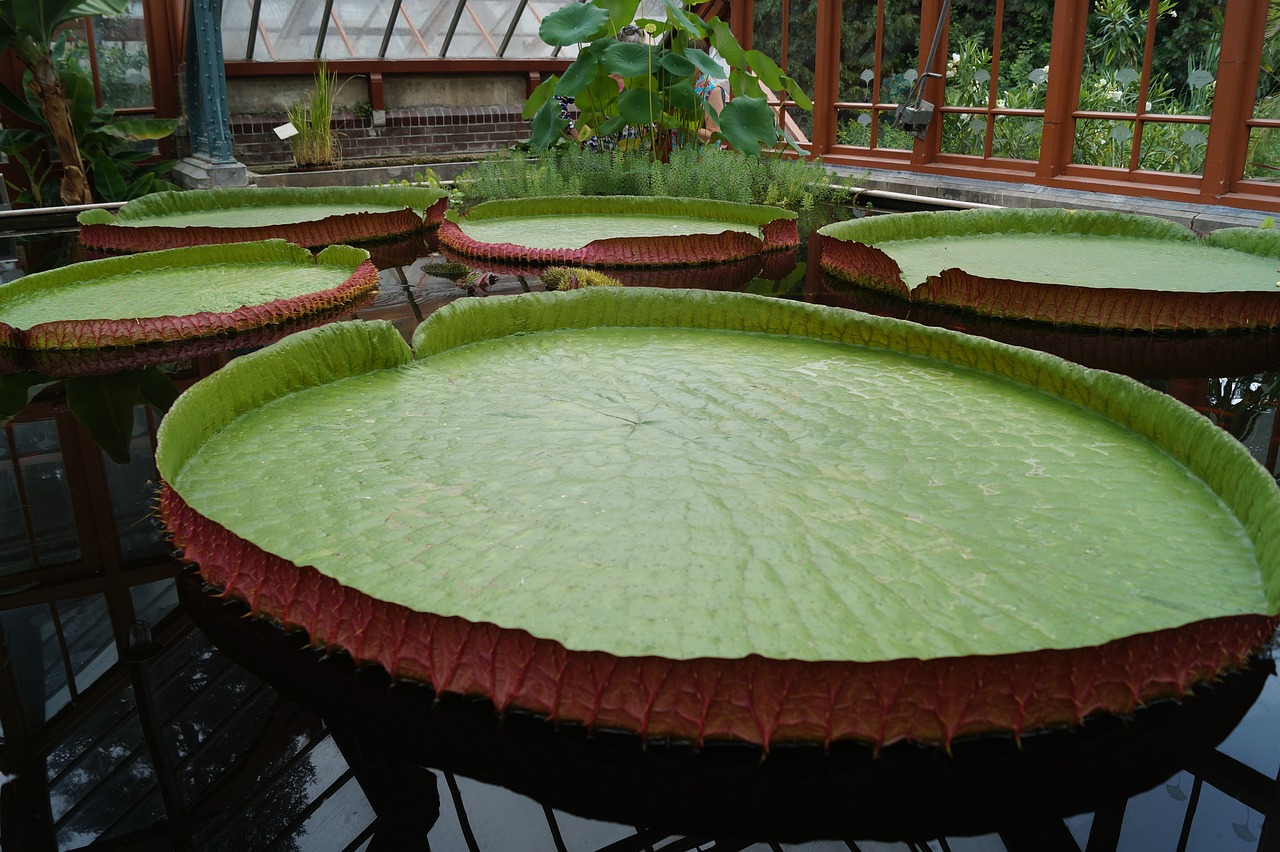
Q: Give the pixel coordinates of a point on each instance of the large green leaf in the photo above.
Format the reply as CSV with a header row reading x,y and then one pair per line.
x,y
678,65
797,94
690,24
766,69
631,60
140,129
107,181
705,63
584,70
639,107
1091,509
726,44
620,13
748,124
104,404
575,23
18,389
548,127
539,96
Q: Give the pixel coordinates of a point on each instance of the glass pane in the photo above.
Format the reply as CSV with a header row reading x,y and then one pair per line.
x,y
1102,142
964,133
899,51
288,29
1181,72
356,29
91,644
123,72
479,30
1016,137
235,30
525,41
969,68
1169,147
44,477
130,488
36,661
853,127
1263,159
425,22
15,550
153,601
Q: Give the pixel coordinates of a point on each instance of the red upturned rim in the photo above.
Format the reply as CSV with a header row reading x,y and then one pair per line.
x,y
331,230
101,333
752,699
1063,304
683,250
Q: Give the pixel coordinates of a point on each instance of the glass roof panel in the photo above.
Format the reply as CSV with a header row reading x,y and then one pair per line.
x,y
287,29
356,29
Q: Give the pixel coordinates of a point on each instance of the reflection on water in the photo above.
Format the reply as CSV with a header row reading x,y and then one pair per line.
x,y
139,712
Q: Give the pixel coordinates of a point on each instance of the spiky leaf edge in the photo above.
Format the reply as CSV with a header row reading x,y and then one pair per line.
x,y
752,699
849,252
77,335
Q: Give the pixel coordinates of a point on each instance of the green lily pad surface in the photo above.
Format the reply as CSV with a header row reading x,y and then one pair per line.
x,y
1084,260
549,232
1072,267
619,230
308,216
694,475
186,292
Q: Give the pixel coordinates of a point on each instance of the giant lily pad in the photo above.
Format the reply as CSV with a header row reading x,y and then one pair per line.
x,y
619,231
711,515
179,294
309,216
1090,269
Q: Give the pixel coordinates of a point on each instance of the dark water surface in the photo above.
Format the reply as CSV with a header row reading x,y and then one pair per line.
x,y
141,712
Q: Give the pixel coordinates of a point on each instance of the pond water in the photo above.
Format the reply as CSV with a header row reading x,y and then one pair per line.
x,y
141,712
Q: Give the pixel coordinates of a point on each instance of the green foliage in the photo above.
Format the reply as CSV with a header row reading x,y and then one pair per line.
x,y
314,144
28,26
118,152
658,80
690,172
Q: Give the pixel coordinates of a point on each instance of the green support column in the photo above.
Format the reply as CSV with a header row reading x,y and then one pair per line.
x,y
211,162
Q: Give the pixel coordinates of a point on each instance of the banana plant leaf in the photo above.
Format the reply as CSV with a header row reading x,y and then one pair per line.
x,y
741,518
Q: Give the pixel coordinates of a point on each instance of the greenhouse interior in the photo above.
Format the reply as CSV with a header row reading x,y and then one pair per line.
x,y
882,394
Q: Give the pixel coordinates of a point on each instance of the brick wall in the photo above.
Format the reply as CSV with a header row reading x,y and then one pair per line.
x,y
418,131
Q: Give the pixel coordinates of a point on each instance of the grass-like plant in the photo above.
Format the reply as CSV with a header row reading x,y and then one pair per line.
x,y
315,143
690,172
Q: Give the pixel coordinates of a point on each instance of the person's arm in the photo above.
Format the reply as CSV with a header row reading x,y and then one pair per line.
x,y
715,100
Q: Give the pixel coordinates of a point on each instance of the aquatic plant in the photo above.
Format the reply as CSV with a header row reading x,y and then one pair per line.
x,y
308,216
1073,267
690,570
618,231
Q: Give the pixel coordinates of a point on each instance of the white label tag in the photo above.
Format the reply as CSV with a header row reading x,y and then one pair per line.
x,y
286,130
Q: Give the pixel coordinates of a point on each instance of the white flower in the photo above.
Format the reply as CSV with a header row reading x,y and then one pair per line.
x,y
1115,94
1148,109
1173,13
955,57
